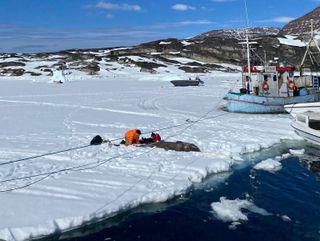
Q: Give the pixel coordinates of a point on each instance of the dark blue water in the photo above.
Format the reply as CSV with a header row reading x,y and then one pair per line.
x,y
294,191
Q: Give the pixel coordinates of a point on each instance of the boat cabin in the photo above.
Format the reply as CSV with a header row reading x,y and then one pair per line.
x,y
274,81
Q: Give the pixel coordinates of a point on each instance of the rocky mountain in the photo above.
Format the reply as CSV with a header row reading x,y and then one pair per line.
x,y
240,33
199,55
215,49
302,25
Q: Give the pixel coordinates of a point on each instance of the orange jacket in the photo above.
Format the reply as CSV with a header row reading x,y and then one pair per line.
x,y
132,137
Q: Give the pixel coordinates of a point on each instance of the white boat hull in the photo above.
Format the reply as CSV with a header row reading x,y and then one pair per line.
x,y
299,108
302,124
307,135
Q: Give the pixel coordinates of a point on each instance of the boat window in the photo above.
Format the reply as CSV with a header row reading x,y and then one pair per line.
x,y
314,124
265,77
274,78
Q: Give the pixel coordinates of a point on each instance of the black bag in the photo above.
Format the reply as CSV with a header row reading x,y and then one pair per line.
x,y
146,140
97,140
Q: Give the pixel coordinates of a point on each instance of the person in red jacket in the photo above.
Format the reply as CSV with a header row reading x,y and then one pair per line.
x,y
132,136
155,137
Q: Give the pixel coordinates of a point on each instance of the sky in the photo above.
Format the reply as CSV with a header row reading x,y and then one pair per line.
x,y
52,25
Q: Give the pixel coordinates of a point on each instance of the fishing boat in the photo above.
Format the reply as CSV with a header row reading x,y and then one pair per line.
x,y
267,89
307,125
181,83
270,89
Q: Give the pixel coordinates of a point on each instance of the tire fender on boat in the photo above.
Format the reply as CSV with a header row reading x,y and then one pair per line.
x,y
291,85
265,85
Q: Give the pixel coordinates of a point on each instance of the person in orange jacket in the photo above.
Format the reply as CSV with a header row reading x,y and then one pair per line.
x,y
132,137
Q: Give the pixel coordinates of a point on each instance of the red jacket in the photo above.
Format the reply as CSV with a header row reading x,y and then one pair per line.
x,y
156,137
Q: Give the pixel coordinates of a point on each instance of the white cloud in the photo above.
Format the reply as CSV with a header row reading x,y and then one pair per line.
x,y
283,19
277,20
182,7
118,6
181,24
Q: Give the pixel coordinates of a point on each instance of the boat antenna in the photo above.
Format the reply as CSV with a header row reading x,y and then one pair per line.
x,y
247,38
246,11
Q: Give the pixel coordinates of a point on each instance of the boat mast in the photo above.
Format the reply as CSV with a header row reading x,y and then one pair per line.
x,y
248,55
247,39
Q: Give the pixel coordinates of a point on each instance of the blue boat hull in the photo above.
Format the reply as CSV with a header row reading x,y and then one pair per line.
x,y
245,103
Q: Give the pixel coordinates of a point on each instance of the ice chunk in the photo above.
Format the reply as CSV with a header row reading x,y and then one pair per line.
x,y
285,218
268,165
297,152
231,210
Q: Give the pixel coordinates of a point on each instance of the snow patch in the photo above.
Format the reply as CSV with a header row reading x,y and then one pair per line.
x,y
185,60
291,42
186,43
164,43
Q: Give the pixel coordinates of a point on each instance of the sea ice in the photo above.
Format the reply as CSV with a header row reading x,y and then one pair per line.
x,y
268,165
40,117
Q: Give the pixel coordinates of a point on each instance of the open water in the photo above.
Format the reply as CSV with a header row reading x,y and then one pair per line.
x,y
291,195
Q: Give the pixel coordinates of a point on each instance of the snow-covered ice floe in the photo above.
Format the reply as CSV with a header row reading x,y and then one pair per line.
x,y
232,210
268,165
60,192
297,152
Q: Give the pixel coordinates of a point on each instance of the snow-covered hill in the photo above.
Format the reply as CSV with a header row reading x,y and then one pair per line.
x,y
189,56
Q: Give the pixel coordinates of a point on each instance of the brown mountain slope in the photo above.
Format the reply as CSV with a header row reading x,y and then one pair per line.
x,y
302,25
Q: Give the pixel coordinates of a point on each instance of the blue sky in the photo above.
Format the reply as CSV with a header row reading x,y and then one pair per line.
x,y
51,25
